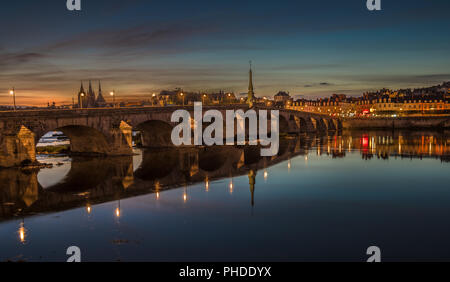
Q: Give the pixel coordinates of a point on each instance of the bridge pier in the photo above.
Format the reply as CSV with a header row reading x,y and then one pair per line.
x,y
17,147
122,143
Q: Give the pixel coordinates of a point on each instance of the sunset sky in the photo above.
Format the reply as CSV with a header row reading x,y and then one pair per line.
x,y
309,48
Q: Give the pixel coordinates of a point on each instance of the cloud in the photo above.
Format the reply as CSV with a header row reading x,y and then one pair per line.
x,y
320,84
298,67
14,59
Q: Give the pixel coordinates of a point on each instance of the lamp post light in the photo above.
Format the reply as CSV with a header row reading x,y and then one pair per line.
x,y
182,96
81,100
154,99
203,98
13,93
113,94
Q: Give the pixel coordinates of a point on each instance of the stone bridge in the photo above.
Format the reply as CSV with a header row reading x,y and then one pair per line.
x,y
108,131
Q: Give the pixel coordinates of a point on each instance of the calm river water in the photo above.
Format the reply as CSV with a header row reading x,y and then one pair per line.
x,y
323,198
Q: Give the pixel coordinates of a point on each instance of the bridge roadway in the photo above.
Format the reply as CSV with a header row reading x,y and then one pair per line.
x,y
108,131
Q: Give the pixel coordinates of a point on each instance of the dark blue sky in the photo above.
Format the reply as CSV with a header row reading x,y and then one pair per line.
x,y
311,48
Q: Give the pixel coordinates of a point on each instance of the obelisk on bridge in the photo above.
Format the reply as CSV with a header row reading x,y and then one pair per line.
x,y
251,94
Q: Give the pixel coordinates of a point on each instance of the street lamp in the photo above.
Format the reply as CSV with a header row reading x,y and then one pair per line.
x,y
154,99
182,95
203,98
13,93
81,100
113,94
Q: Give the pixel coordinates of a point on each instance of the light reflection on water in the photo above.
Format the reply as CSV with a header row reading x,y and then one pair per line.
x,y
326,198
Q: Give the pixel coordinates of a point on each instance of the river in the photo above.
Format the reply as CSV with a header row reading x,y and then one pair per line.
x,y
322,198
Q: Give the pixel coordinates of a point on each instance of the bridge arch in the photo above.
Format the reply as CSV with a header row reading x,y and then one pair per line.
x,y
155,133
301,124
212,159
157,164
84,139
284,125
330,125
87,173
252,155
319,124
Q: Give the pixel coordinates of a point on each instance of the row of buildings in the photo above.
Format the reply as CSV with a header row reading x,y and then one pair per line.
x,y
384,103
88,99
391,103
180,97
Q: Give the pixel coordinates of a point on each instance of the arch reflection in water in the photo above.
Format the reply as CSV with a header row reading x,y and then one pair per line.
x,y
96,180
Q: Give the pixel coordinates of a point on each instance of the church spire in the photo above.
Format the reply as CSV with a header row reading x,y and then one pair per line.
x,y
100,102
81,97
90,96
90,87
81,88
251,94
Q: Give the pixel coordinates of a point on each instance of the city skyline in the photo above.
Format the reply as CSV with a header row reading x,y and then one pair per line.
x,y
141,47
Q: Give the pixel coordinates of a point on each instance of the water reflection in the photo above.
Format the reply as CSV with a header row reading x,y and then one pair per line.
x,y
89,181
22,231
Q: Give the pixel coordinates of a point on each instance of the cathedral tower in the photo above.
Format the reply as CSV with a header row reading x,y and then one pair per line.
x,y
90,96
251,94
82,97
100,102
